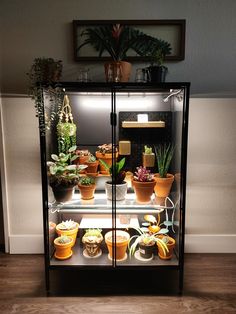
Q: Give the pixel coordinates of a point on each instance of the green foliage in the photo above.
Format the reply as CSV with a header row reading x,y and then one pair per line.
x,y
86,181
147,150
93,233
64,240
66,136
61,170
43,73
92,158
115,170
164,154
117,39
146,238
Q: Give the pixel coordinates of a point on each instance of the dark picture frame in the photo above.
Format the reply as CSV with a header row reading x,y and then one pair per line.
x,y
172,31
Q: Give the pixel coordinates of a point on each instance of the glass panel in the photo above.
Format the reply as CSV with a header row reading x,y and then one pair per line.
x,y
90,210
149,125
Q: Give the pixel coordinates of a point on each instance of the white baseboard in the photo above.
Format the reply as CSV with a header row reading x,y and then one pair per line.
x,y
210,243
194,243
26,244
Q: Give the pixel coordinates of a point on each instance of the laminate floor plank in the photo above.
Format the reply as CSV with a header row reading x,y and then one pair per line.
x,y
209,287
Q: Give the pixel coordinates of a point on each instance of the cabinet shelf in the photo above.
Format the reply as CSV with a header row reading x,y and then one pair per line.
x,y
137,125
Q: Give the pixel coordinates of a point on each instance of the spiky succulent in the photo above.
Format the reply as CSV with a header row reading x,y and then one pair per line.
x,y
143,175
67,225
164,154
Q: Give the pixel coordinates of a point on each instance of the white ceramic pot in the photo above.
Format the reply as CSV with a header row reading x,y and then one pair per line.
x,y
121,190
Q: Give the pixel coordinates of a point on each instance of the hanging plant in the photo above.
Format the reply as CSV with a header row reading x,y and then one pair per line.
x,y
43,75
66,129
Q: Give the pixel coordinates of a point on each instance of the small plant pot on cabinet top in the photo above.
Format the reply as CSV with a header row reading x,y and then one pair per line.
x,y
122,239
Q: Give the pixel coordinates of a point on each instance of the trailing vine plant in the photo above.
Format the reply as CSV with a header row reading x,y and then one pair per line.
x,y
43,75
66,129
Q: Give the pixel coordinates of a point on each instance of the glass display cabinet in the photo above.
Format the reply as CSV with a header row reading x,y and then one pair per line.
x,y
127,229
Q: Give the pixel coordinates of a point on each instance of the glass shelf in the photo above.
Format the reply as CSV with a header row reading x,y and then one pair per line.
x,y
100,204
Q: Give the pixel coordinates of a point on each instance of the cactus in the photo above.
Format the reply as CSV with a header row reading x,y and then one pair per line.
x,y
147,150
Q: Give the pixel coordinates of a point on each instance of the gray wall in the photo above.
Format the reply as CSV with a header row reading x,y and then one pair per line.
x,y
32,28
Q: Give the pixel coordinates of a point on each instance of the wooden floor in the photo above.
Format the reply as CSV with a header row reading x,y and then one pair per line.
x,y
210,287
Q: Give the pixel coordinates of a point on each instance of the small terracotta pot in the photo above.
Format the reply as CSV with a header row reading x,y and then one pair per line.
x,y
170,246
92,166
63,251
143,190
63,194
71,232
87,191
107,158
83,160
122,239
163,185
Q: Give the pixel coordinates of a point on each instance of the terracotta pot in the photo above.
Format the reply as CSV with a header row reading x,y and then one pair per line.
x,y
170,246
117,71
107,158
122,239
83,160
163,185
92,166
143,190
63,251
121,190
71,232
63,194
87,191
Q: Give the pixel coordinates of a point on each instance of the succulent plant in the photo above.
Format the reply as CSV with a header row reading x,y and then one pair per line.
x,y
67,225
143,175
86,181
93,233
61,171
92,158
164,154
147,150
64,239
82,152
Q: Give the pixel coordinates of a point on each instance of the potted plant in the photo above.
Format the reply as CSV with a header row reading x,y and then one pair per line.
x,y
92,240
121,242
66,129
164,180
148,157
82,156
63,176
170,243
92,164
117,175
45,72
87,187
157,71
63,247
104,153
143,183
116,40
146,242
68,228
